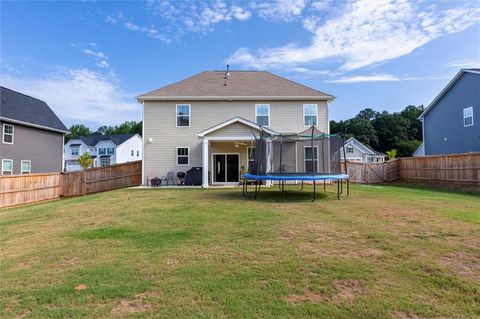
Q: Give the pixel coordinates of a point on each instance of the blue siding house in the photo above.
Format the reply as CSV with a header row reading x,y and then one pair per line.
x,y
451,123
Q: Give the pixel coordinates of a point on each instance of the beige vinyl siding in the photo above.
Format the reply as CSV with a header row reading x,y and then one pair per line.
x,y
232,130
160,119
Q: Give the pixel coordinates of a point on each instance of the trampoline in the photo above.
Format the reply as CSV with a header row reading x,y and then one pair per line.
x,y
308,156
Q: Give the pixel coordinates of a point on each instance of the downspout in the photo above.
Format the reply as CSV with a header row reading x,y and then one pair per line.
x,y
143,143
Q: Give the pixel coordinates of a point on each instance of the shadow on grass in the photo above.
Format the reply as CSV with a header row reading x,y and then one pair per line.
x,y
274,195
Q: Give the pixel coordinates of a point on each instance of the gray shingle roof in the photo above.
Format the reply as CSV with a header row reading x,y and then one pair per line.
x,y
24,108
117,139
239,84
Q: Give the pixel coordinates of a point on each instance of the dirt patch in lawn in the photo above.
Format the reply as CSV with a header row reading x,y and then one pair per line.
x,y
29,263
139,304
307,296
347,290
463,263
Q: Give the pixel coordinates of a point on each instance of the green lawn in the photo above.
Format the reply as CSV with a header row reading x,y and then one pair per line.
x,y
384,252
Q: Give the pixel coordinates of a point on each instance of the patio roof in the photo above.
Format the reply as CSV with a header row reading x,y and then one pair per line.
x,y
237,119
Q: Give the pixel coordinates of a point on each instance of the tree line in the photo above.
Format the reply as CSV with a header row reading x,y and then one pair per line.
x,y
128,127
384,131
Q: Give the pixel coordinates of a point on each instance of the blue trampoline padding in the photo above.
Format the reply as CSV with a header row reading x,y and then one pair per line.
x,y
295,177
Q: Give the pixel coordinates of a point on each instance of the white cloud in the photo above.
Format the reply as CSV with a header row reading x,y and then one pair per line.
x,y
280,9
320,5
384,78
79,94
150,31
464,63
103,64
96,54
366,33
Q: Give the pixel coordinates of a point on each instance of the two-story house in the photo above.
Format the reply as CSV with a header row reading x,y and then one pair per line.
x,y
208,120
355,151
32,135
451,123
104,150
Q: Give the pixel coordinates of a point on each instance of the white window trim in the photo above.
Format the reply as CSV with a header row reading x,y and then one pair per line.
x,y
29,167
110,148
464,117
176,156
72,148
351,147
189,115
316,115
3,133
6,160
305,158
268,115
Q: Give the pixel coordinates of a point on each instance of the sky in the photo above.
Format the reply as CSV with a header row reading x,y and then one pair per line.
x,y
89,60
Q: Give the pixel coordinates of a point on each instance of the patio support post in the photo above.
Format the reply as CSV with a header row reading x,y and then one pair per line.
x,y
205,163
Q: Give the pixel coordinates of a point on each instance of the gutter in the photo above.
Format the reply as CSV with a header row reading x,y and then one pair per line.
x,y
235,98
33,125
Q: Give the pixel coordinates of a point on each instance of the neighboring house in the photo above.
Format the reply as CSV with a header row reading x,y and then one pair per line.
x,y
104,150
207,121
32,135
451,123
355,151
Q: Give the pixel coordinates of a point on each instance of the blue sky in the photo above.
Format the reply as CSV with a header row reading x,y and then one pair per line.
x,y
88,60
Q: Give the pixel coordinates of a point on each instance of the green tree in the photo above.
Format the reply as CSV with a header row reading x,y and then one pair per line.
x,y
85,160
76,131
391,154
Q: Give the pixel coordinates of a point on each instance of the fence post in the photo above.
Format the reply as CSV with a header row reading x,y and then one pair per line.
x,y
84,183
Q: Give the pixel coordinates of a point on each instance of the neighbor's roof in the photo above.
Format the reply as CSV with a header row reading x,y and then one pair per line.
x,y
445,90
117,139
210,85
26,110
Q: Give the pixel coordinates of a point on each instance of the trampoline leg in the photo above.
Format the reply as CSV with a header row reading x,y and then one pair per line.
x,y
338,189
302,187
256,189
283,190
279,185
324,186
341,186
314,192
243,187
348,187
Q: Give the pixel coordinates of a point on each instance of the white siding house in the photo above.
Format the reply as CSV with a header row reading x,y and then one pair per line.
x,y
104,150
359,152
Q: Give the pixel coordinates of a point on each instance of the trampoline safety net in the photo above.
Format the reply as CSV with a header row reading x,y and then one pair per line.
x,y
310,152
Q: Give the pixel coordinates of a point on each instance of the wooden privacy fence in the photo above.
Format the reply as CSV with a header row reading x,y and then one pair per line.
x,y
455,168
25,189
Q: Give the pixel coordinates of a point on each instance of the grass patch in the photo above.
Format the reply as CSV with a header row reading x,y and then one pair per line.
x,y
389,251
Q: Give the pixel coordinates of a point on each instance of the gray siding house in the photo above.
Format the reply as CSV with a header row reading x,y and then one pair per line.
x,y
451,123
356,151
207,121
32,135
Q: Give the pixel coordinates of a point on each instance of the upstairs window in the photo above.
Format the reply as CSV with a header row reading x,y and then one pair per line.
x,y
131,153
102,151
75,150
7,167
110,151
138,153
262,114
350,149
183,115
310,114
468,116
183,156
7,134
311,159
26,167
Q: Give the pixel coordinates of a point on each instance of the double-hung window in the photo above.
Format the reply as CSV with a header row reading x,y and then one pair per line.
x,y
26,167
468,116
310,114
311,159
262,114
110,151
183,154
183,115
75,150
350,149
7,134
102,151
132,152
138,153
7,167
